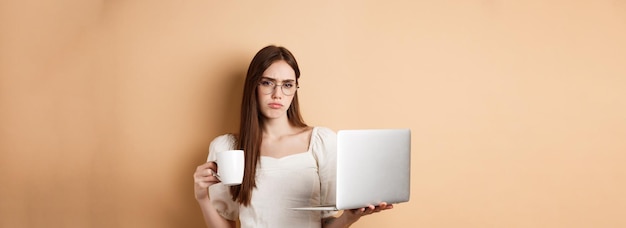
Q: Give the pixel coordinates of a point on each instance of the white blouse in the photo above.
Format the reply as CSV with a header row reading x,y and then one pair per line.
x,y
297,180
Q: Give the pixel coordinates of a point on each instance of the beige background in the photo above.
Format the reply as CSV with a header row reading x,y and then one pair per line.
x,y
517,108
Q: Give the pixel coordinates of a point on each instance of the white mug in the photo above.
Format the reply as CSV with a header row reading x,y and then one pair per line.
x,y
230,166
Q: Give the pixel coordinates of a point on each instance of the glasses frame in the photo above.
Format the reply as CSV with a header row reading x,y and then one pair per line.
x,y
282,88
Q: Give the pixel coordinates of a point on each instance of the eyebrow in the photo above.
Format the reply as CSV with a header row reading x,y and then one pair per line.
x,y
274,80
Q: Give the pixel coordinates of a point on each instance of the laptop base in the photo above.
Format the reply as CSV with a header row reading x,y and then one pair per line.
x,y
316,208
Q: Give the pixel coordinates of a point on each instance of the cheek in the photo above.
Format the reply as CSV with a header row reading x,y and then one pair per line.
x,y
290,100
260,97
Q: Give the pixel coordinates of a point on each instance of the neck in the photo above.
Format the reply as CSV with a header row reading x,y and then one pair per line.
x,y
278,127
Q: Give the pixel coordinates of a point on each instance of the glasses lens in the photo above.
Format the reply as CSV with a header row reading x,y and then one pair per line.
x,y
266,87
288,89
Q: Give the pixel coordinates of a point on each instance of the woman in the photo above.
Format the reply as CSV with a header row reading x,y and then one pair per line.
x,y
287,163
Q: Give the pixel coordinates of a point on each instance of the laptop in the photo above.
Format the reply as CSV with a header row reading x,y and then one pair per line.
x,y
373,166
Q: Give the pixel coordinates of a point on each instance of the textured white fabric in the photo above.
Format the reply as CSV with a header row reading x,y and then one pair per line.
x,y
298,180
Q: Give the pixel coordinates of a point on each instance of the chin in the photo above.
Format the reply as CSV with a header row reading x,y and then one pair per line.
x,y
275,114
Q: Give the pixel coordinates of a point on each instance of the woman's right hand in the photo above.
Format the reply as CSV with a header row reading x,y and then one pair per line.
x,y
203,178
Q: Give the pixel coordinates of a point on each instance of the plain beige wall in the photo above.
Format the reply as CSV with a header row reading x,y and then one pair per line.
x,y
517,108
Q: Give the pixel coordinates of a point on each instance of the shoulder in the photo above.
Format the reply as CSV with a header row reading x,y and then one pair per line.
x,y
324,133
224,138
323,138
324,146
223,142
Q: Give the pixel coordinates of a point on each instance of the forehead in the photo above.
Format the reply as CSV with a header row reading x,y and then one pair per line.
x,y
280,71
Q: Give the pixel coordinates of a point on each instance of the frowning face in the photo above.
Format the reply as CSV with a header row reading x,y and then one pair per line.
x,y
276,90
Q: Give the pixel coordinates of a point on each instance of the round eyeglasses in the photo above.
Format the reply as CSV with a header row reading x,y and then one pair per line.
x,y
267,87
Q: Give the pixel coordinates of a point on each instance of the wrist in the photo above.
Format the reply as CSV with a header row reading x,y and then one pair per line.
x,y
346,220
202,198
201,194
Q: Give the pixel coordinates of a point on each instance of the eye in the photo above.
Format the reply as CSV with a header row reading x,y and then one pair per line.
x,y
288,85
266,83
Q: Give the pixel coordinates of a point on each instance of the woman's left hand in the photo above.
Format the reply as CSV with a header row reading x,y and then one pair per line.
x,y
355,214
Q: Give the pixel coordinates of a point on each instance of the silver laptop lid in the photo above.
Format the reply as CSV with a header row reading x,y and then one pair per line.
x,y
373,166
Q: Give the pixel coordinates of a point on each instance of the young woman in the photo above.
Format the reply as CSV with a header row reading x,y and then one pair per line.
x,y
287,163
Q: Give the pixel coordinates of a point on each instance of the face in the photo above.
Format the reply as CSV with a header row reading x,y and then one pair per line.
x,y
275,104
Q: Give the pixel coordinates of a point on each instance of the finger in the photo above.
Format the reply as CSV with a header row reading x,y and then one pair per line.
x,y
211,179
203,166
207,165
205,170
385,206
200,180
202,173
372,209
212,165
358,211
364,211
207,174
206,181
380,207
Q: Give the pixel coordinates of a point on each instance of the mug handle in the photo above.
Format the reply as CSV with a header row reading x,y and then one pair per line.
x,y
215,174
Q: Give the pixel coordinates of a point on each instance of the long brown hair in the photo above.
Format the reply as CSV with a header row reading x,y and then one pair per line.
x,y
252,120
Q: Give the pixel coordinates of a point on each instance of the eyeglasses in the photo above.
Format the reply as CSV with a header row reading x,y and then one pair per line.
x,y
267,87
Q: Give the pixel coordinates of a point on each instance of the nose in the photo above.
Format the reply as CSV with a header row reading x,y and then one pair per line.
x,y
277,91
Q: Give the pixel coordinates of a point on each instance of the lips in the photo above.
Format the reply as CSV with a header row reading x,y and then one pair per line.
x,y
275,105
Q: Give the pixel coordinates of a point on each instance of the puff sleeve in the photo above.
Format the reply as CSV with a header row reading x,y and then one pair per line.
x,y
218,193
324,150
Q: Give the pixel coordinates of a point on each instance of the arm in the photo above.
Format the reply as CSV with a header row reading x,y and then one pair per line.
x,y
349,217
203,178
211,217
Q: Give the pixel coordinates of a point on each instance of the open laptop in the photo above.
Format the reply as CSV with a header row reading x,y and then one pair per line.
x,y
373,166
